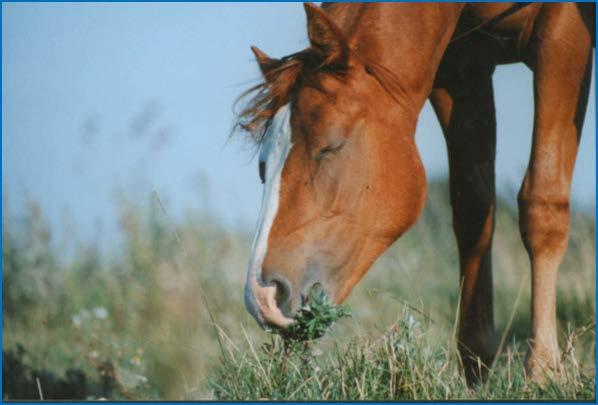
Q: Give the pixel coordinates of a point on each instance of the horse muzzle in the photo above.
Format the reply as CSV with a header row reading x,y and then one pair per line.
x,y
273,302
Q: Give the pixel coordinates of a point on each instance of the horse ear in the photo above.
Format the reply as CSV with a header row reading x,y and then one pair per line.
x,y
325,36
266,63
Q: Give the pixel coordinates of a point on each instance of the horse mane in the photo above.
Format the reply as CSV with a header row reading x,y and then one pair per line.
x,y
280,85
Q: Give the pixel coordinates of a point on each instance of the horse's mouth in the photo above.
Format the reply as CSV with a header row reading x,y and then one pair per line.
x,y
315,316
305,300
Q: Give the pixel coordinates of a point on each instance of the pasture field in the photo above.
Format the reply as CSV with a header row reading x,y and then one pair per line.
x,y
163,316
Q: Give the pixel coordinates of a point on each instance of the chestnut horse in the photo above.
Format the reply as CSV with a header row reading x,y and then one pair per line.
x,y
342,175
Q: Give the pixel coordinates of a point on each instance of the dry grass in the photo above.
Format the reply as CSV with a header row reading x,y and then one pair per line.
x,y
135,324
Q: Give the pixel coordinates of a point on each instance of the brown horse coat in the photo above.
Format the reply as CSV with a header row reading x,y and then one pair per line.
x,y
343,178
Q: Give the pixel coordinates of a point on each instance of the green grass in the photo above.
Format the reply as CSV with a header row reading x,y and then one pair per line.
x,y
163,317
399,364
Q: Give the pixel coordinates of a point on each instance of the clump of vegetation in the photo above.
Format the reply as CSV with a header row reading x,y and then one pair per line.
x,y
314,318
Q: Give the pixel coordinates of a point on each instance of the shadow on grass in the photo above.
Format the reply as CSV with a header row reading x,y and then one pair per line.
x,y
20,381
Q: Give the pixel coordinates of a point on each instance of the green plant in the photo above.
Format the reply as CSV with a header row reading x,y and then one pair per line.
x,y
314,318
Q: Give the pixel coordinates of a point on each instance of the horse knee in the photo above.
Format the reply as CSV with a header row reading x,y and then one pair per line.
x,y
544,222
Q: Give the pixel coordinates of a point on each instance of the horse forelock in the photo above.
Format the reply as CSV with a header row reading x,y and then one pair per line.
x,y
279,87
302,69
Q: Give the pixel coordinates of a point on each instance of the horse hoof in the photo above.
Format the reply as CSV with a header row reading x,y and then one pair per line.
x,y
477,359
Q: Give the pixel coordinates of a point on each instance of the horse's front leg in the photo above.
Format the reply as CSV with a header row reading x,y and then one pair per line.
x,y
562,68
463,101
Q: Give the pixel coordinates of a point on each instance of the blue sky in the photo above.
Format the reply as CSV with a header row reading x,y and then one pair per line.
x,y
107,99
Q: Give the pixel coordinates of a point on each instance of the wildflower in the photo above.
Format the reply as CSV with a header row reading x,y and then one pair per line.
x,y
136,361
100,313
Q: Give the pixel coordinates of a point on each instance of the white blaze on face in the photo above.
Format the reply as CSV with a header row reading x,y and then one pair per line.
x,y
260,299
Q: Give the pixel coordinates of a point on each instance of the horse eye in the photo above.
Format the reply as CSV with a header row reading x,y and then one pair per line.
x,y
328,150
262,170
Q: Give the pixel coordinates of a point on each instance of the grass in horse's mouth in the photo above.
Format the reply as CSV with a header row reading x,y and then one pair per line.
x,y
314,318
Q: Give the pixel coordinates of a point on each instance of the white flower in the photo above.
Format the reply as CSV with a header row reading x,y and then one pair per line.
x,y
316,352
100,312
76,320
410,321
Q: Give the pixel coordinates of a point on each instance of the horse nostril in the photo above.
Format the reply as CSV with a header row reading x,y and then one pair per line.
x,y
316,289
283,292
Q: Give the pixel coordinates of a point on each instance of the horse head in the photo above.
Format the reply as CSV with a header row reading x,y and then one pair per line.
x,y
342,176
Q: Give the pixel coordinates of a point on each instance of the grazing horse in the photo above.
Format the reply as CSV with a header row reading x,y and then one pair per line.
x,y
342,175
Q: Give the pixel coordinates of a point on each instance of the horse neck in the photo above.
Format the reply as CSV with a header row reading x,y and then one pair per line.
x,y
409,39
